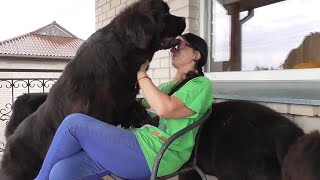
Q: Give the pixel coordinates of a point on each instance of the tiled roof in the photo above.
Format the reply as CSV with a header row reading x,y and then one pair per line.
x,y
51,41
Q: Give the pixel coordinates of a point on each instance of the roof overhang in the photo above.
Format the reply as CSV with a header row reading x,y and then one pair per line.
x,y
246,5
25,57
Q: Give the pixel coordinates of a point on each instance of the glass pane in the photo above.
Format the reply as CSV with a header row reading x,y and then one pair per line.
x,y
284,35
220,36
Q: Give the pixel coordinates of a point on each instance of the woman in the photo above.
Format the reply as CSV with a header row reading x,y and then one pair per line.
x,y
86,148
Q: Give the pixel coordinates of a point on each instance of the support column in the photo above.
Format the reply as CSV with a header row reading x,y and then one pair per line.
x,y
235,43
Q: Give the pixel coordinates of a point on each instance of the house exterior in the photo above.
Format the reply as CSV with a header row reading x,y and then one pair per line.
x,y
48,48
42,53
31,63
306,55
242,39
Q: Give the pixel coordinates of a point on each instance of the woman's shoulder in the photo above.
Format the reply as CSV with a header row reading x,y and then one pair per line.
x,y
198,84
166,84
200,80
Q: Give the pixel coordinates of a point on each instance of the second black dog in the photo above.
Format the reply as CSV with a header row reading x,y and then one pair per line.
x,y
244,141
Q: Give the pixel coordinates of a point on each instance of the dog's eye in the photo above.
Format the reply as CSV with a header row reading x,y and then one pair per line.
x,y
167,14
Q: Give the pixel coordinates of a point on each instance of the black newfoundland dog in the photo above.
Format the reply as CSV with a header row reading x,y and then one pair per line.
x,y
244,141
99,81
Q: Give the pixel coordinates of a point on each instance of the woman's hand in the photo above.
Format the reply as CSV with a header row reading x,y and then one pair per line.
x,y
164,105
143,70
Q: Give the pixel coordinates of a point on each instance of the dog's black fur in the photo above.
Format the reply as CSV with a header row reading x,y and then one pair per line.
x,y
99,81
244,141
303,159
23,106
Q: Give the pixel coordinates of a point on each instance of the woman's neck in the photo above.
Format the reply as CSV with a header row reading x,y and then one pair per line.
x,y
181,74
178,77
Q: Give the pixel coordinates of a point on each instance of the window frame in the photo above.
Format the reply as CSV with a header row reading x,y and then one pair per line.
x,y
273,78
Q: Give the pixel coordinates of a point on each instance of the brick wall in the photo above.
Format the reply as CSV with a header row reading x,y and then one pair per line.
x,y
160,67
305,116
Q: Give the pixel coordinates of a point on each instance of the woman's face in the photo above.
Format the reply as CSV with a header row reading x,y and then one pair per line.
x,y
182,54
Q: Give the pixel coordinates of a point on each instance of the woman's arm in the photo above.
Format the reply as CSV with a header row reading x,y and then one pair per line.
x,y
164,105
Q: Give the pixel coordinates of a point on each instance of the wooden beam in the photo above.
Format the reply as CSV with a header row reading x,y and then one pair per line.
x,y
246,5
235,43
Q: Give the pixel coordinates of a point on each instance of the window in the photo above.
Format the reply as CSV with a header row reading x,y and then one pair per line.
x,y
283,35
280,52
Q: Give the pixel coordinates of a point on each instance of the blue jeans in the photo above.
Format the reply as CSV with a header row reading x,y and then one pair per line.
x,y
88,149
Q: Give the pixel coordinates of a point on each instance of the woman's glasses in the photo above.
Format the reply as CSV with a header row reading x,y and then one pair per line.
x,y
183,43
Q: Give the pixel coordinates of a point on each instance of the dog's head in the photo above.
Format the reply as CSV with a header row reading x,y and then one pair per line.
x,y
148,24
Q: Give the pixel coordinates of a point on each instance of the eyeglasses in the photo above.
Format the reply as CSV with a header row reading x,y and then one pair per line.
x,y
183,43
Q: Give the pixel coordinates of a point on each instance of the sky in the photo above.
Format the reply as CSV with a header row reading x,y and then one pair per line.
x,y
18,17
270,35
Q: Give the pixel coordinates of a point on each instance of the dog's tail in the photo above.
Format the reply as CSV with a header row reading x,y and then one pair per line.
x,y
25,105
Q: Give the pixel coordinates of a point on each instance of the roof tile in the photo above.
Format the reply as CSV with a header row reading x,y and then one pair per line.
x,y
35,44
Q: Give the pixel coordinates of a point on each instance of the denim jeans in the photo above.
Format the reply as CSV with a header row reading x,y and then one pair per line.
x,y
88,149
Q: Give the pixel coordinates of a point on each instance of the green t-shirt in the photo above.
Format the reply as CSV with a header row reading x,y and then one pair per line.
x,y
197,94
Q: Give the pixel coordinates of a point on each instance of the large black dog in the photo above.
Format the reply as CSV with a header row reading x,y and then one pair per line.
x,y
244,141
99,81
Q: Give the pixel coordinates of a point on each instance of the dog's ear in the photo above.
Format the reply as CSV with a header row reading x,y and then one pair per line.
x,y
140,30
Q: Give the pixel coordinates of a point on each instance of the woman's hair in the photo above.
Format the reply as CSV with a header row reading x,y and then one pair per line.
x,y
198,44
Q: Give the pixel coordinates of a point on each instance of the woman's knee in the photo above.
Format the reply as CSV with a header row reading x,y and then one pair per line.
x,y
62,171
78,166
